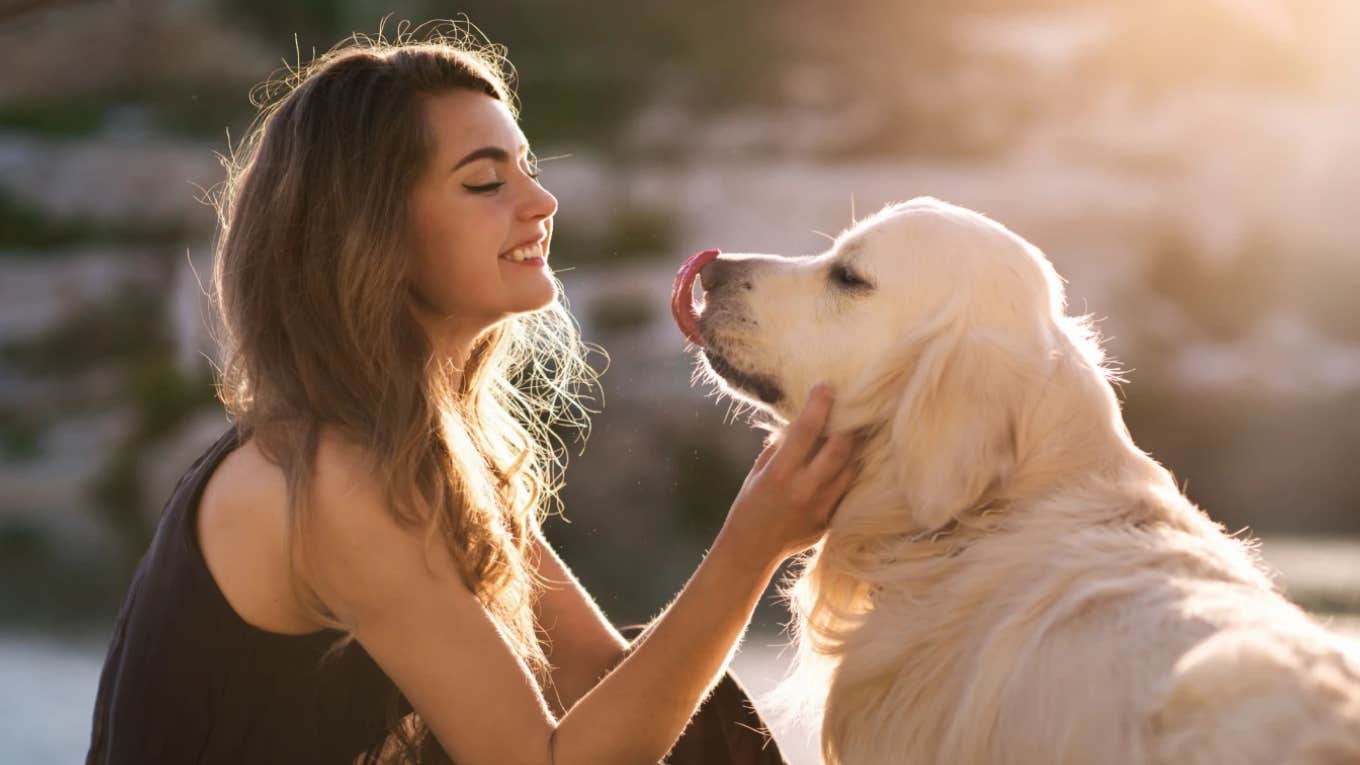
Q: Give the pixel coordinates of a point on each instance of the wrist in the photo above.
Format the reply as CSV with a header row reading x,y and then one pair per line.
x,y
740,555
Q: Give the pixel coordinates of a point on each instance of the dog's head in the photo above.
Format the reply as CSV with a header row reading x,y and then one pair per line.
x,y
932,323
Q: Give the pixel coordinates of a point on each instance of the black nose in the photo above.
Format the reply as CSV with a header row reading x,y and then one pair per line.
x,y
719,272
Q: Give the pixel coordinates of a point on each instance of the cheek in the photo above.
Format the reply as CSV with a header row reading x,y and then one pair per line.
x,y
793,315
818,339
462,282
455,259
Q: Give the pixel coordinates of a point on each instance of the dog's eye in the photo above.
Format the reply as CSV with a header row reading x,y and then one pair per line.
x,y
844,277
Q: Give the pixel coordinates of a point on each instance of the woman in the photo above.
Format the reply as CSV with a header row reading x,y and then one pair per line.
x,y
355,571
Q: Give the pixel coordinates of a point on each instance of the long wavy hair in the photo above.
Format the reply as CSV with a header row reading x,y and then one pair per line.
x,y
312,264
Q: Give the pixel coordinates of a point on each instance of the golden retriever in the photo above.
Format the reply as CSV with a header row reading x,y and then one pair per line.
x,y
1011,580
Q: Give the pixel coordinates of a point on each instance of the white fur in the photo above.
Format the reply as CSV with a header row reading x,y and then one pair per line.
x,y
1011,580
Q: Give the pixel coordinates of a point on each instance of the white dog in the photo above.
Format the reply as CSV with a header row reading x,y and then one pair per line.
x,y
1011,580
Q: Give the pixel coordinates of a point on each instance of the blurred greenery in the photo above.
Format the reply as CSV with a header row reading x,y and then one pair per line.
x,y
706,482
56,117
641,230
161,397
1224,299
20,433
28,229
631,233
124,330
613,313
581,69
76,587
197,110
128,335
1267,274
1271,463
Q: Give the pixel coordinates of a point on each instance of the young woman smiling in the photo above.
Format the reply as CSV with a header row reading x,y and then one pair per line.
x,y
355,571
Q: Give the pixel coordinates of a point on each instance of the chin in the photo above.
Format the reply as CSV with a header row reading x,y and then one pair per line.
x,y
548,298
537,298
762,390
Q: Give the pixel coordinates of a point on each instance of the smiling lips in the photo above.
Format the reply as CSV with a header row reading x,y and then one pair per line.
x,y
682,296
525,253
530,253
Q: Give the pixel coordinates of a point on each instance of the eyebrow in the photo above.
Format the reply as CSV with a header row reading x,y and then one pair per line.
x,y
486,152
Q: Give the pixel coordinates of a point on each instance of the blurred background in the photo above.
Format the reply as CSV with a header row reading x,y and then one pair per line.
x,y
1192,167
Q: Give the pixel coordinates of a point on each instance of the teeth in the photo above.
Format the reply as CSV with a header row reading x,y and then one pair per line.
x,y
523,253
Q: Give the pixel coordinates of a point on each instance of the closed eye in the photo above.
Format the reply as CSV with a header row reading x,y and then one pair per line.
x,y
489,188
486,188
844,277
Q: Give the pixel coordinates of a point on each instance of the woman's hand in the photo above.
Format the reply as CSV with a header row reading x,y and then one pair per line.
x,y
788,498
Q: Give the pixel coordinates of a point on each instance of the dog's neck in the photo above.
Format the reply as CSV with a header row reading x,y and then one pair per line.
x,y
872,518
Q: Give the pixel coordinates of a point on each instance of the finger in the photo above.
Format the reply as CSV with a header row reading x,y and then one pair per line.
x,y
833,456
802,433
838,488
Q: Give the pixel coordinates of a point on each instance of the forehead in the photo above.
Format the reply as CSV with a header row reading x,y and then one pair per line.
x,y
891,228
853,245
857,246
462,120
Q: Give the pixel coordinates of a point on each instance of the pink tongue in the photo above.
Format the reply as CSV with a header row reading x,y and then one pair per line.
x,y
682,298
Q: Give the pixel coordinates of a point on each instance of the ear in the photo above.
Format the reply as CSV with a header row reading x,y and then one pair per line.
x,y
953,435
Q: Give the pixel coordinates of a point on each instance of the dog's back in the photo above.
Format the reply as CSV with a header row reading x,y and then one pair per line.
x,y
1269,693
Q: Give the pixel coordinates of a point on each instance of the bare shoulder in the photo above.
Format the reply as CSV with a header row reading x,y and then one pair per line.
x,y
242,530
359,553
411,611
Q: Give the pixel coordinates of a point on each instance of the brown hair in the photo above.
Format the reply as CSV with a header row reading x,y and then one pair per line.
x,y
311,271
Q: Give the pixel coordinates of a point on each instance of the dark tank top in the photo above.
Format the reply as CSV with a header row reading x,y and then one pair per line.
x,y
187,680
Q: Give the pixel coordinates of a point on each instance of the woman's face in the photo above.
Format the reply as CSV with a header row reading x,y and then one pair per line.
x,y
472,213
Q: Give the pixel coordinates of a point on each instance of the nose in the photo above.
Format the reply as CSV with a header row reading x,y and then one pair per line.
x,y
540,203
720,272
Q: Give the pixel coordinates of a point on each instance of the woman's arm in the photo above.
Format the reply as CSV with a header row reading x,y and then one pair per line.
x,y
659,685
583,646
415,617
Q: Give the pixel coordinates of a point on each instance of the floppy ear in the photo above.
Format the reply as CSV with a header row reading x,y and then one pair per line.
x,y
953,435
